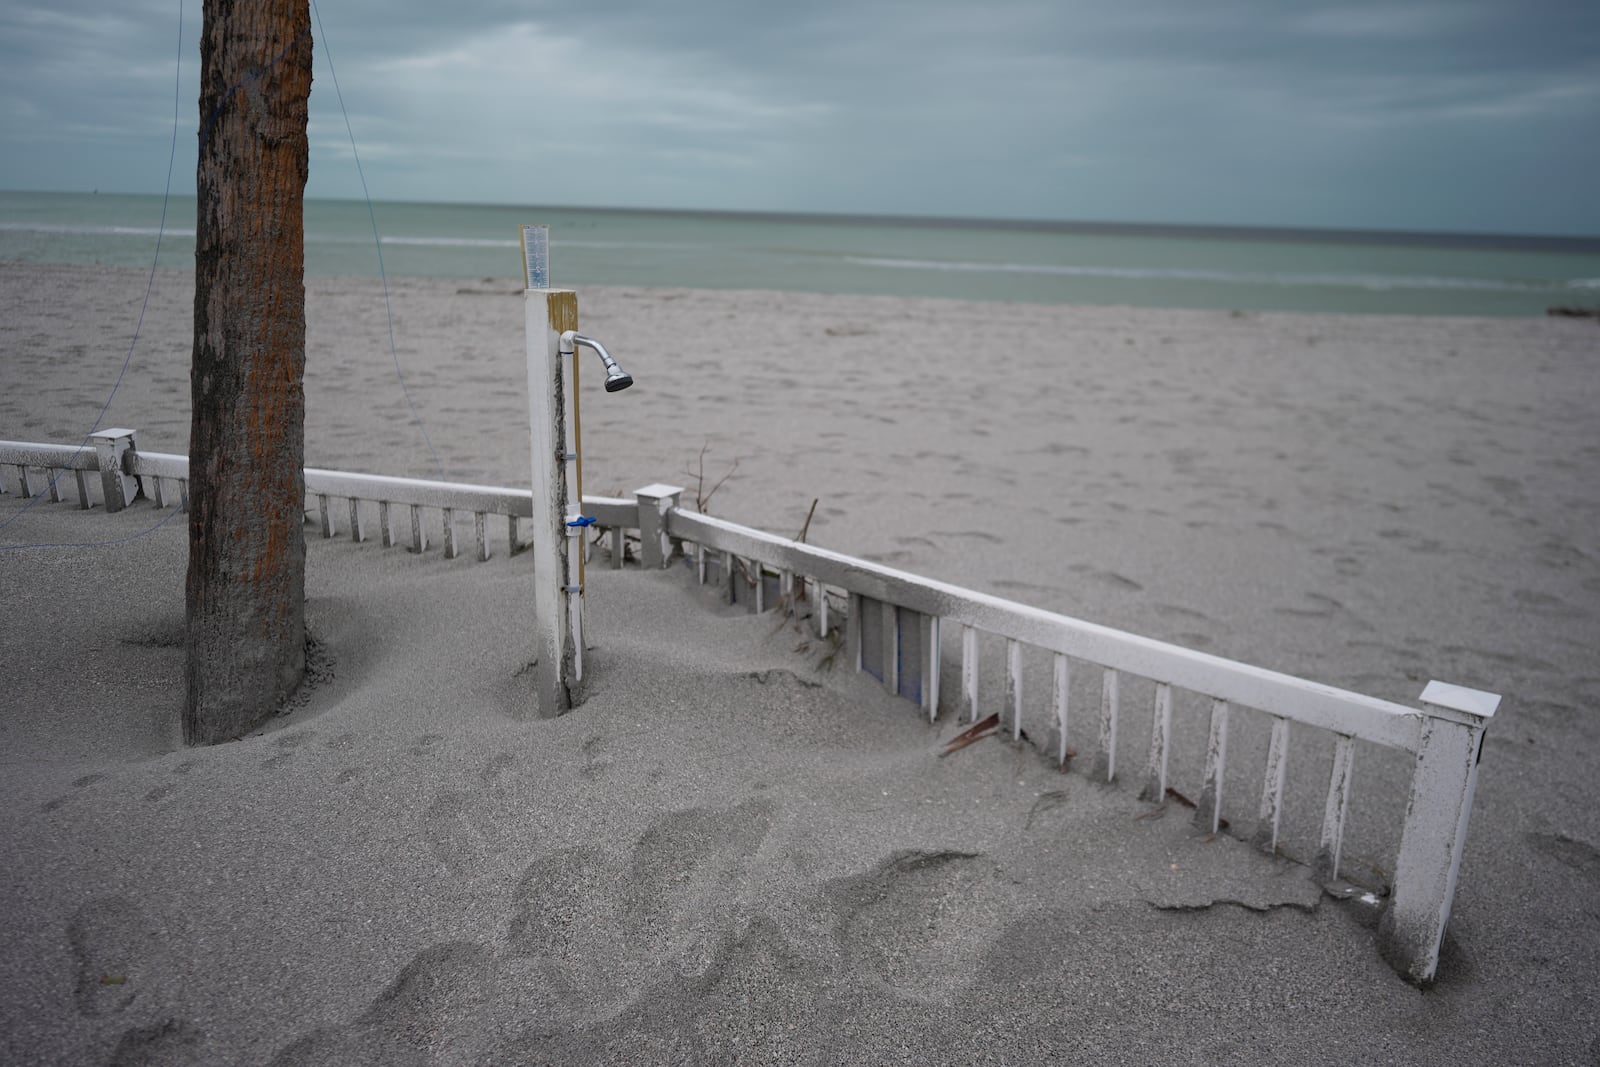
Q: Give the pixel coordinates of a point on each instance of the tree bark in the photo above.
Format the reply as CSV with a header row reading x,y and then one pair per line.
x,y
245,592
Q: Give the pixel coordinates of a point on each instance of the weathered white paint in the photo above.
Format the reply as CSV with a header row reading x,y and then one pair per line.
x,y
1155,782
1105,764
118,486
655,547
1474,705
419,534
1335,808
547,313
1435,832
889,627
969,673
324,515
1270,814
1208,813
1014,686
452,547
357,531
852,631
386,524
1061,696
930,665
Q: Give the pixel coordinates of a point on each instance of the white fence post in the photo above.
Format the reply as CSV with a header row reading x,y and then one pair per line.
x,y
548,313
110,447
655,547
1435,833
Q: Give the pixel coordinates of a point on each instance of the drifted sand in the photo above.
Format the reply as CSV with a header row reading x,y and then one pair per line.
x,y
733,853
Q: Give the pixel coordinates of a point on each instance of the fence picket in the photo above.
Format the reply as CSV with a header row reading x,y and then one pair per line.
x,y
1271,811
1208,814
1106,759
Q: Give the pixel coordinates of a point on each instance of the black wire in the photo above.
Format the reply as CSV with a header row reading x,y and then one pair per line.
x,y
166,194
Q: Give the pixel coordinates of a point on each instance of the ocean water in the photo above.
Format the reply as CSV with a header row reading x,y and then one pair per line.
x,y
1036,263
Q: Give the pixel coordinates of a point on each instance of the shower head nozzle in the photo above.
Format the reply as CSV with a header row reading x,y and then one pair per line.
x,y
617,379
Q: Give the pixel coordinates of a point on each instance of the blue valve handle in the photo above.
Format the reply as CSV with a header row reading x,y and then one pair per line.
x,y
583,520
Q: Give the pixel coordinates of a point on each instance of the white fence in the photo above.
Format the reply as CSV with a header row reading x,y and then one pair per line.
x,y
893,625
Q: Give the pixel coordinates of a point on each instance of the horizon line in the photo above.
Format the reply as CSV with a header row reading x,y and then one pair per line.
x,y
1262,231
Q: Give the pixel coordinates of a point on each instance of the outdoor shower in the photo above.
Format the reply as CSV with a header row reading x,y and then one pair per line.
x,y
616,378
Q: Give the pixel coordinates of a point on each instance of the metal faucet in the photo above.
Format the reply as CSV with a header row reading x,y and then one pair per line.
x,y
617,379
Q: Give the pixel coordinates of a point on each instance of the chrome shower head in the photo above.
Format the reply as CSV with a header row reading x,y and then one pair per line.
x,y
617,379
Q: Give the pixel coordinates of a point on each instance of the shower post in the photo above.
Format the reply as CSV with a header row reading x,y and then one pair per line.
x,y
558,667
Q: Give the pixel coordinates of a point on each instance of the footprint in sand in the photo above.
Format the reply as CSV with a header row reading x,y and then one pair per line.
x,y
114,948
286,746
424,743
668,908
920,922
342,743
451,833
77,783
697,845
498,764
436,1001
565,909
171,1043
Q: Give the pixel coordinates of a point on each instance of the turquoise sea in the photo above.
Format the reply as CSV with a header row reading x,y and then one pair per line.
x,y
1045,262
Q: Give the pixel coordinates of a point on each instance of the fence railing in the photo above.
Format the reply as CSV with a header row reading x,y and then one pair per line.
x,y
892,624
401,507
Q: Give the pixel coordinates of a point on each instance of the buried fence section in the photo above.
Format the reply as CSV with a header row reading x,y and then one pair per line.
x,y
1164,714
1177,724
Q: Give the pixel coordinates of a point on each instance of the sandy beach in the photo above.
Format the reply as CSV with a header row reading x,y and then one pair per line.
x,y
733,853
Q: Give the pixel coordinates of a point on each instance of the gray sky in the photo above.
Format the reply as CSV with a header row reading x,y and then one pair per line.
x,y
1459,115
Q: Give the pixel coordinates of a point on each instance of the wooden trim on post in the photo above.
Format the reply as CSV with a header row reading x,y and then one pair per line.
x,y
547,314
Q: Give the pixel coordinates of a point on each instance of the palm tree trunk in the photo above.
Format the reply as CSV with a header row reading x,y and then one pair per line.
x,y
245,594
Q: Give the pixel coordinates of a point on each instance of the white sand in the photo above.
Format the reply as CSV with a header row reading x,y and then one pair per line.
x,y
701,865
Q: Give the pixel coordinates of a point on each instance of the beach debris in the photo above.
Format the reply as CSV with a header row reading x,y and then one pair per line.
x,y
976,732
1045,801
702,495
1173,794
801,536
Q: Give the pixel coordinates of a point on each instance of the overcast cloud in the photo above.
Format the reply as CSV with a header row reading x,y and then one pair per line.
x,y
1460,115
